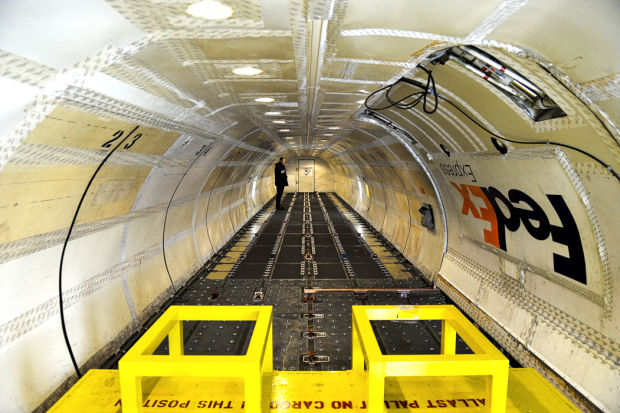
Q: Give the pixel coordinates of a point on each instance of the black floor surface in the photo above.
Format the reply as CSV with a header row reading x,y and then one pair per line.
x,y
283,260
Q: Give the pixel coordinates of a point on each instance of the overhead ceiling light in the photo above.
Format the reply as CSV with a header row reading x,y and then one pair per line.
x,y
289,137
285,130
328,134
247,71
333,127
264,100
279,121
210,9
273,113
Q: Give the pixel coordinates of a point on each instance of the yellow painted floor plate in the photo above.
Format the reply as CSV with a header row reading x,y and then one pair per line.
x,y
99,391
398,271
215,275
229,259
223,267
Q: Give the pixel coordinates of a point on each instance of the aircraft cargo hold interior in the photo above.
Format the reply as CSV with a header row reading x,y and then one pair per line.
x,y
446,238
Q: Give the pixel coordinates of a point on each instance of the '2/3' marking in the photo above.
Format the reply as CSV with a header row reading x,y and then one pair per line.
x,y
119,134
534,220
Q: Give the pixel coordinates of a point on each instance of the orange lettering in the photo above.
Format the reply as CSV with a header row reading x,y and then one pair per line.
x,y
488,214
467,204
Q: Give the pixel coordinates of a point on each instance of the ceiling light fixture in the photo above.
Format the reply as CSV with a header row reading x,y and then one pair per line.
x,y
264,100
328,134
210,9
279,121
273,113
333,127
247,71
285,130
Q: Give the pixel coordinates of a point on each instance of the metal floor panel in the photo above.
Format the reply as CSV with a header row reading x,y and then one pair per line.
x,y
266,238
327,254
290,254
367,270
320,229
257,278
294,228
292,239
324,239
272,228
250,270
286,271
210,338
357,254
343,229
348,239
324,284
259,254
330,270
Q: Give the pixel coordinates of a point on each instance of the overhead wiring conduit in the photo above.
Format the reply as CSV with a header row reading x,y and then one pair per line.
x,y
413,99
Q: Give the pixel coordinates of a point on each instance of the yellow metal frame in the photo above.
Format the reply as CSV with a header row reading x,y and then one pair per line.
x,y
486,360
140,362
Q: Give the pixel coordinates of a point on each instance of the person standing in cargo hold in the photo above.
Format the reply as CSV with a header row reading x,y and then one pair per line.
x,y
280,180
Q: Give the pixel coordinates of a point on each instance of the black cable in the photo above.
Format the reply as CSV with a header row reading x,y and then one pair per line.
x,y
592,111
200,153
64,249
417,97
430,89
548,142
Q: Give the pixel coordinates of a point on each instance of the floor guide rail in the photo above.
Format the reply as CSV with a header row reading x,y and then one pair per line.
x,y
310,263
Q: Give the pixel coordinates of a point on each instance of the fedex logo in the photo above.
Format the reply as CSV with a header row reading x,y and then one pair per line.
x,y
522,209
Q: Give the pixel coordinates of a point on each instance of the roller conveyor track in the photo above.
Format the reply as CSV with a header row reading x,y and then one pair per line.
x,y
317,242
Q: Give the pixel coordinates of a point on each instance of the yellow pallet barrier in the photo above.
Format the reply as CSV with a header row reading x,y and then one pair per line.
x,y
486,360
140,362
421,383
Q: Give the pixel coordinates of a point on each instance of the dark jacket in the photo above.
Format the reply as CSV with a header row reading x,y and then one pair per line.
x,y
280,175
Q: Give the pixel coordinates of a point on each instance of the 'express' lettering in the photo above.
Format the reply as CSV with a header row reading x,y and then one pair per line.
x,y
458,170
508,213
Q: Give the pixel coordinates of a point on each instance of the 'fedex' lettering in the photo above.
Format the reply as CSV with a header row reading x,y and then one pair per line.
x,y
522,209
